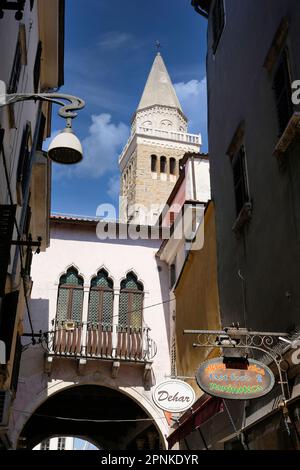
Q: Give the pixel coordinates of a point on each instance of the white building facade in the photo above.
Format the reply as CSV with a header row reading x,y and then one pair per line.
x,y
105,306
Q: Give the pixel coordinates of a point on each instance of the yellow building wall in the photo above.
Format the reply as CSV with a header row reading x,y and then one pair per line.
x,y
197,302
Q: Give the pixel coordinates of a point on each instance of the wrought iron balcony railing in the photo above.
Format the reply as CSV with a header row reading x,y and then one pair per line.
x,y
97,340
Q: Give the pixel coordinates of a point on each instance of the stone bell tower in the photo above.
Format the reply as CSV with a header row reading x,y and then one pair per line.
x,y
149,162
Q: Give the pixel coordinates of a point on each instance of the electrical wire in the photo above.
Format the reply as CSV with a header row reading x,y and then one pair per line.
x,y
89,420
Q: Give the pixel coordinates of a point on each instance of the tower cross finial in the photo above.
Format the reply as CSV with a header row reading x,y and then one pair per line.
x,y
158,45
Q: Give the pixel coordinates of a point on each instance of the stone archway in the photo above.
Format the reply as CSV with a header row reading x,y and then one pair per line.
x,y
104,415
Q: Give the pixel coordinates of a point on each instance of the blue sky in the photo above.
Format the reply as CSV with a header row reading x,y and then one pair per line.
x,y
109,50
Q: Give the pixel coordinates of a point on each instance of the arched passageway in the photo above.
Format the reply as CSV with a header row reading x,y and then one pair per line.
x,y
106,416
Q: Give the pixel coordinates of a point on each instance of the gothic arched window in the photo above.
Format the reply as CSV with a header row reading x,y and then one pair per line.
x,y
101,299
131,302
172,166
163,164
70,296
153,163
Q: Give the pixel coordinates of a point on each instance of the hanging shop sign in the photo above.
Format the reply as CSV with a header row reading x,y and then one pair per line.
x,y
174,396
225,379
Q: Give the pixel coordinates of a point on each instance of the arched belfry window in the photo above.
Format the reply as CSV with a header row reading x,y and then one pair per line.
x,y
153,163
131,302
70,296
172,166
101,299
163,164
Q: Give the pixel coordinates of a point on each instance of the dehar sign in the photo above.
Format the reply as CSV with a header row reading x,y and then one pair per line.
x,y
174,396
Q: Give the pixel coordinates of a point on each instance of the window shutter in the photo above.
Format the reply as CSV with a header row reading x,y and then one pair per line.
x,y
283,93
218,21
15,71
70,297
131,302
24,159
37,68
40,140
7,320
17,363
7,219
240,180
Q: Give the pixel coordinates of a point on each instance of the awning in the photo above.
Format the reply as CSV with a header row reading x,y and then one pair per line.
x,y
202,410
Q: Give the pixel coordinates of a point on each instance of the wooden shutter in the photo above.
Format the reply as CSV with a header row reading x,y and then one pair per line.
x,y
37,68
7,320
24,159
7,219
17,363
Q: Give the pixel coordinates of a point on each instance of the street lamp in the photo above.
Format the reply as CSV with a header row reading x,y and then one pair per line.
x,y
65,148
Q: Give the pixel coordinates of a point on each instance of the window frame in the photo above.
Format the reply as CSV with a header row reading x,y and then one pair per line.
x,y
23,170
71,288
163,165
172,166
15,73
37,67
218,22
45,445
101,290
153,163
130,311
285,91
239,159
61,443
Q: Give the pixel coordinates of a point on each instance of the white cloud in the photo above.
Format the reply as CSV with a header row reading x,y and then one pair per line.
x,y
102,146
114,186
114,39
193,98
101,149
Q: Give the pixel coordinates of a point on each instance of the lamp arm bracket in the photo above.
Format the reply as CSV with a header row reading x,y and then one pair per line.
x,y
66,111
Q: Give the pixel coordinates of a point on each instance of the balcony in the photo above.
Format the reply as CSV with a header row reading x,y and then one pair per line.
x,y
190,139
101,341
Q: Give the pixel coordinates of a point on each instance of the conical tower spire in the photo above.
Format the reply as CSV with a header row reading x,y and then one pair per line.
x,y
159,89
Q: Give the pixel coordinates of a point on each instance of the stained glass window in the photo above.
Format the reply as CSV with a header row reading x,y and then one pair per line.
x,y
70,296
101,299
131,302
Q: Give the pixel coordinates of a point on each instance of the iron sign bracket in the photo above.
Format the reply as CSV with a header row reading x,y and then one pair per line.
x,y
242,338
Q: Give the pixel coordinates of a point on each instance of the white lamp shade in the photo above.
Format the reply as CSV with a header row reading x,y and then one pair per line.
x,y
65,148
